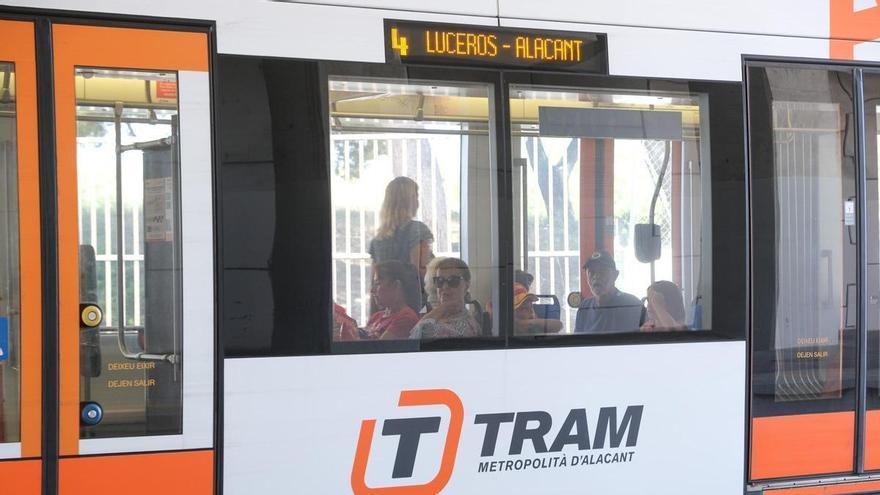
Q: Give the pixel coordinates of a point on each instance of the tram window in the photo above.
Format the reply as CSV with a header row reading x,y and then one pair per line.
x,y
10,358
612,209
412,210
129,255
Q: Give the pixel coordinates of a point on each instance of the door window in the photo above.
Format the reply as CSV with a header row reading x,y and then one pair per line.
x,y
805,270
10,278
129,261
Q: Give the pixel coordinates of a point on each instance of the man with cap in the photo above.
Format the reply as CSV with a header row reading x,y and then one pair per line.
x,y
609,310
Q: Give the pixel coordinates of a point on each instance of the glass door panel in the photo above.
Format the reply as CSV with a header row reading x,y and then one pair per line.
x,y
10,271
129,252
804,270
871,126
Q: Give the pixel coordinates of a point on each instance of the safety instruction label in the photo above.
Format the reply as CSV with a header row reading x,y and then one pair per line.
x,y
4,339
849,212
158,209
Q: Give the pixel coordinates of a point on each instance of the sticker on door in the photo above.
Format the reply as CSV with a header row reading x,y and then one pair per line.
x,y
4,339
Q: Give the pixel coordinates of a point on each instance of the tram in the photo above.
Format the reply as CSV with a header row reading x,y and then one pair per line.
x,y
377,247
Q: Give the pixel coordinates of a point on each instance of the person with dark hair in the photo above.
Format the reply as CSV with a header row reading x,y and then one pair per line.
x,y
399,236
523,278
450,317
609,310
396,291
665,308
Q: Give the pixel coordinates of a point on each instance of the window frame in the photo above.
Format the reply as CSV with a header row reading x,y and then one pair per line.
x,y
728,178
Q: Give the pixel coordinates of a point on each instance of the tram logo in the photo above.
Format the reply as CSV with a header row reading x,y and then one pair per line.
x,y
611,438
410,431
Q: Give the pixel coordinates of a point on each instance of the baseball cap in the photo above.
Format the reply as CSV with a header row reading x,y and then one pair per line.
x,y
521,295
600,259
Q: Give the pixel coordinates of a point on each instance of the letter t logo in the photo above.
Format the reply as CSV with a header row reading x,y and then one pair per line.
x,y
410,430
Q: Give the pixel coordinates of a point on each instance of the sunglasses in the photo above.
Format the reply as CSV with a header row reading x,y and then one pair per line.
x,y
452,281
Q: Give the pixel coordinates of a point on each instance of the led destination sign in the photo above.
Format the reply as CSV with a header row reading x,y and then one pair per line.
x,y
418,42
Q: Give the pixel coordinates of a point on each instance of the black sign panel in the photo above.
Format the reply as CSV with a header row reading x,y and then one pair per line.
x,y
421,42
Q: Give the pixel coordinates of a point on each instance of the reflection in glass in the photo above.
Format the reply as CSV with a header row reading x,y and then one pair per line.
x,y
127,169
412,179
872,161
10,306
617,176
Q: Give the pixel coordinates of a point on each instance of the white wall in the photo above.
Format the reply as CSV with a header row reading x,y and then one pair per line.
x,y
711,49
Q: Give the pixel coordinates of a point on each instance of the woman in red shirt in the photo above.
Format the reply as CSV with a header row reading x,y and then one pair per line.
x,y
396,291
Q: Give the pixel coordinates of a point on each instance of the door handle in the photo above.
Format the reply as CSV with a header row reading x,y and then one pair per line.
x,y
846,324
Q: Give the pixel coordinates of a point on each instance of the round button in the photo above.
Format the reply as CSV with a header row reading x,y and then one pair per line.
x,y
91,414
90,315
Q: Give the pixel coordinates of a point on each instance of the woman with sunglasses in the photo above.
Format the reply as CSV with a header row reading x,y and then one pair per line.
x,y
450,317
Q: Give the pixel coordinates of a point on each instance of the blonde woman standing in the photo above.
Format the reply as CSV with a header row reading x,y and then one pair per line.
x,y
399,236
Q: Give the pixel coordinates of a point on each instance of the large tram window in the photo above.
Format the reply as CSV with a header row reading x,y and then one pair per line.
x,y
129,256
612,208
412,210
10,358
804,240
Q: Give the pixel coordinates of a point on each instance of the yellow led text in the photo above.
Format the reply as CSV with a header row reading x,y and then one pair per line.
x,y
463,44
549,49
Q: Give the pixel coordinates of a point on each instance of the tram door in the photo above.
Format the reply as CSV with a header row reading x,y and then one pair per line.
x,y
815,271
134,223
20,312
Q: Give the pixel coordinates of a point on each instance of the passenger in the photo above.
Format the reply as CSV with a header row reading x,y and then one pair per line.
x,y
525,320
431,300
609,310
400,237
450,317
665,308
396,290
344,327
523,278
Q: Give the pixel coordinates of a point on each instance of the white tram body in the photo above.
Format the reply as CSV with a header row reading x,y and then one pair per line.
x,y
253,208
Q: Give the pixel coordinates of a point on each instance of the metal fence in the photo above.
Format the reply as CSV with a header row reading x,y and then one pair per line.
x,y
97,227
553,218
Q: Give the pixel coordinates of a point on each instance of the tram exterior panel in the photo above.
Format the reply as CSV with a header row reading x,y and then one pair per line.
x,y
247,146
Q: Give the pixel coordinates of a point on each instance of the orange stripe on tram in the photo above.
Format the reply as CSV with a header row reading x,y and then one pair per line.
x,y
20,477
805,444
167,473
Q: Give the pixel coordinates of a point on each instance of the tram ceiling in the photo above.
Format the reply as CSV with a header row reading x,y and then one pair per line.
x,y
444,108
